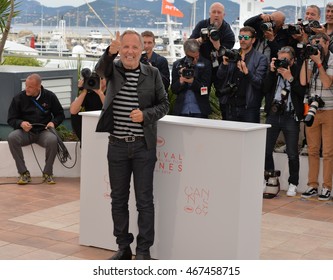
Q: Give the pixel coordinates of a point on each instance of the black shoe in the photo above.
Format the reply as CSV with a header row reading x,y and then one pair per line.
x,y
122,254
143,257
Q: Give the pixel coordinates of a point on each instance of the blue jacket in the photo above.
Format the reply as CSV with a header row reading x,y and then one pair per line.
x,y
257,65
153,100
161,63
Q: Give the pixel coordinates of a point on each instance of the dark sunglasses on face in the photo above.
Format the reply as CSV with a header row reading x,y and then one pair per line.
x,y
245,37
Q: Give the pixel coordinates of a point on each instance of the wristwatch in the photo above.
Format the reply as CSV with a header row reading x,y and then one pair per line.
x,y
291,79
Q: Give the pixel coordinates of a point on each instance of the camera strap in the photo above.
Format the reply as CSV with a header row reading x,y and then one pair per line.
x,y
38,105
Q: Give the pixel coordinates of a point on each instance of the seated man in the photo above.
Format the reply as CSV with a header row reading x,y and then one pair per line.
x,y
31,113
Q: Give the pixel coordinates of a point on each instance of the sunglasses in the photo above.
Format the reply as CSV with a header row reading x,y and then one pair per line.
x,y
245,37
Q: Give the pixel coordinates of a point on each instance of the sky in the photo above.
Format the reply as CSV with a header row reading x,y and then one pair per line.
x,y
273,3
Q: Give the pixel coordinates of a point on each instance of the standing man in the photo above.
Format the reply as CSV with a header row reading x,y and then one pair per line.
x,y
270,35
213,34
240,78
31,113
317,74
190,81
135,100
154,59
284,107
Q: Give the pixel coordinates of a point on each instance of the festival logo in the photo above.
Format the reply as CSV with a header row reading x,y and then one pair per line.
x,y
168,162
196,200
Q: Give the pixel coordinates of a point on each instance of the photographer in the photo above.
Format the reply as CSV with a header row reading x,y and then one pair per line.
x,y
304,29
213,34
284,108
317,74
191,76
270,35
240,78
87,100
154,59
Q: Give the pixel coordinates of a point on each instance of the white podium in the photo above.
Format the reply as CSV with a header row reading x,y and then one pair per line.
x,y
208,187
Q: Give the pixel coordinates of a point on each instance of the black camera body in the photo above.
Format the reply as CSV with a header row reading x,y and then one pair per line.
x,y
293,29
265,26
233,55
314,102
230,89
307,25
281,63
90,79
188,68
277,107
312,50
210,32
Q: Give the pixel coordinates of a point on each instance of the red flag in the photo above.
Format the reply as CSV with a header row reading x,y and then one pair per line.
x,y
170,9
32,42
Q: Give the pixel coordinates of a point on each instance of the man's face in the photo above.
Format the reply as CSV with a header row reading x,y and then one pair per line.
x,y
149,44
329,15
311,14
32,87
245,40
216,15
130,51
194,56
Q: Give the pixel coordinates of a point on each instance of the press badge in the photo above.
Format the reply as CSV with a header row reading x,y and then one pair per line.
x,y
204,90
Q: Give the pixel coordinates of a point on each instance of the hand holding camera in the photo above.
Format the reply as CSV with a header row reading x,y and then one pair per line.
x,y
90,79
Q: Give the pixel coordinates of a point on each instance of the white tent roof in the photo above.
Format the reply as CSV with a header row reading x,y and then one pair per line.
x,y
13,47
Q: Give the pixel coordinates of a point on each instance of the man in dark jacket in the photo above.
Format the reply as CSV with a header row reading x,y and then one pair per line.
x,y
284,107
31,113
240,78
135,100
190,81
270,34
213,34
154,59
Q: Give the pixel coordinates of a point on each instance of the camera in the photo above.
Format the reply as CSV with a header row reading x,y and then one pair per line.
x,y
144,58
90,79
229,89
281,63
210,32
279,106
272,187
307,25
314,102
312,50
265,26
293,29
232,55
188,68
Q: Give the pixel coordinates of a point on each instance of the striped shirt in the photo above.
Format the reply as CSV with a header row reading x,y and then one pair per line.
x,y
316,86
125,101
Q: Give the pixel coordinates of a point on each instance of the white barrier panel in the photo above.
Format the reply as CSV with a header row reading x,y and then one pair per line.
x,y
208,189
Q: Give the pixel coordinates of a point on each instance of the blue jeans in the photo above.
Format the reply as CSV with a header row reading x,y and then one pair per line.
x,y
125,159
290,129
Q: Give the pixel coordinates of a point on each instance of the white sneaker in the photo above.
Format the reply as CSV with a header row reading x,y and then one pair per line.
x,y
281,149
291,190
304,151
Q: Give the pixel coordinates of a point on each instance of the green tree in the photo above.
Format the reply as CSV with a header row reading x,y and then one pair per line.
x,y
7,12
